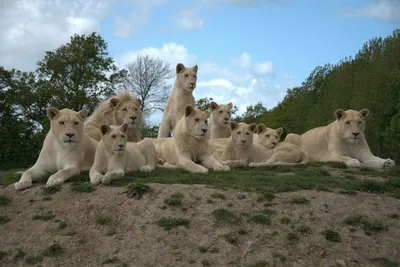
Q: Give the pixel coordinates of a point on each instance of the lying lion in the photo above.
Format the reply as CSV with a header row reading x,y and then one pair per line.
x,y
241,150
181,95
67,150
220,120
115,156
342,140
188,148
122,108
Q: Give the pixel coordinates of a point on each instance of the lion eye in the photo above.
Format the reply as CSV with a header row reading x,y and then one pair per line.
x,y
197,119
194,76
238,132
113,136
206,122
61,122
125,109
229,113
76,123
276,137
220,111
359,122
347,122
247,133
136,109
267,135
186,75
123,136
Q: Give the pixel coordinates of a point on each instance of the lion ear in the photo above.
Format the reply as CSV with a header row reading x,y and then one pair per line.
x,y
114,102
189,111
83,113
179,67
261,128
207,113
139,102
279,131
195,68
234,125
104,129
52,113
213,106
364,113
340,113
253,127
230,105
124,127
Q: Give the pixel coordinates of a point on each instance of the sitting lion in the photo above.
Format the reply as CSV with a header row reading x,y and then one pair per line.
x,y
122,108
342,140
181,95
241,150
220,120
67,150
283,153
188,148
115,156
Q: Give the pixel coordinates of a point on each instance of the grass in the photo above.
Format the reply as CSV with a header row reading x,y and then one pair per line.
x,y
174,200
232,238
61,225
384,262
301,200
32,260
218,195
273,179
267,196
292,237
137,190
4,219
332,235
49,190
224,216
169,223
303,229
19,255
102,220
367,225
45,216
53,250
4,201
110,260
285,220
394,216
259,264
260,219
205,263
84,187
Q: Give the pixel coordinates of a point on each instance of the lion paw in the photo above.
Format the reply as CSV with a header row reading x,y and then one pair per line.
x,y
200,169
96,180
53,181
146,168
354,163
222,168
252,164
389,163
21,185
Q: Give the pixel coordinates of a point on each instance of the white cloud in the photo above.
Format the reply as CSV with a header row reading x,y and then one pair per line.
x,y
378,9
245,61
187,19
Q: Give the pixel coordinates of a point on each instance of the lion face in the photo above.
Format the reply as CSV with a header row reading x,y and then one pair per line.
x,y
115,138
351,124
186,77
268,137
221,113
242,133
196,122
128,112
67,125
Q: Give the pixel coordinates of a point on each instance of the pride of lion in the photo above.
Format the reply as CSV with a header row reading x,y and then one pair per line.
x,y
109,143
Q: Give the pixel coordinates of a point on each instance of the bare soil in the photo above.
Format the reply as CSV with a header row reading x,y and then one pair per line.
x,y
130,234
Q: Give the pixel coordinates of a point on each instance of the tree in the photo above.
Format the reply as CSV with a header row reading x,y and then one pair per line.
x,y
77,72
252,112
146,79
204,104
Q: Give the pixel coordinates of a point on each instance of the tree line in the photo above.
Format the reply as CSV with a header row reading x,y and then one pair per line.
x,y
80,74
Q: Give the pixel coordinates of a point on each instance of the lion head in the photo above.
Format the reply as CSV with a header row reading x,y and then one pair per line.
x,y
126,110
67,125
186,78
242,133
221,114
196,122
351,124
114,137
268,137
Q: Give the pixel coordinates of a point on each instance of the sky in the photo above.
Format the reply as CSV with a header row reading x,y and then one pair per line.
x,y
247,50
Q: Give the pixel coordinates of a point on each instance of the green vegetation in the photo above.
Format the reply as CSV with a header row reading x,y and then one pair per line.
x,y
4,219
49,190
85,187
260,219
224,216
332,235
4,201
174,200
137,190
368,226
169,223
103,220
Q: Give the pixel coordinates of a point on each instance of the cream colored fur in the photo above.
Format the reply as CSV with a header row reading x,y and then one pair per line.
x,y
283,153
220,120
342,140
115,156
181,95
188,148
122,108
67,150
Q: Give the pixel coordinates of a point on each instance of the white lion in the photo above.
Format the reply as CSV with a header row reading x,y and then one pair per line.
x,y
342,140
122,108
220,120
67,150
181,95
115,156
188,148
283,153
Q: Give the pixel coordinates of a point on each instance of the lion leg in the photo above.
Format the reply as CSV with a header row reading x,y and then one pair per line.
x,y
378,163
293,138
63,175
186,163
168,165
210,162
350,162
234,163
28,177
95,176
149,151
165,129
112,175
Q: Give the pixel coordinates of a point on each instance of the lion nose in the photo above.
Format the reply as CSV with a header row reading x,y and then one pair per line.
x,y
204,130
243,141
274,143
192,83
69,135
355,134
133,118
121,146
226,119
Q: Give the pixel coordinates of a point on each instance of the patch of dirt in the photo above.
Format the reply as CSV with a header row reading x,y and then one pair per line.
x,y
107,226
